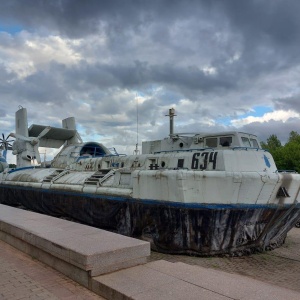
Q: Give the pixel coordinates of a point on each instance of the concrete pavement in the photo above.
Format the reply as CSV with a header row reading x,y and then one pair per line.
x,y
280,266
163,277
22,277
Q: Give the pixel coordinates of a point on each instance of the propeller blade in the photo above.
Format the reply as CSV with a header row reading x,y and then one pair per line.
x,y
3,135
79,137
45,131
21,137
37,154
4,154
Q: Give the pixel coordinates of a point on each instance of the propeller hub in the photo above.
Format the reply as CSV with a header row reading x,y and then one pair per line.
x,y
5,143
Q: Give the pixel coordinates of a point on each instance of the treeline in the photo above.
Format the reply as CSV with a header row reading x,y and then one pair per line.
x,y
287,157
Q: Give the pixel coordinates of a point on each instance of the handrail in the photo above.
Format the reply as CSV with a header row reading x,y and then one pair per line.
x,y
246,148
96,156
213,149
61,174
20,169
185,150
286,171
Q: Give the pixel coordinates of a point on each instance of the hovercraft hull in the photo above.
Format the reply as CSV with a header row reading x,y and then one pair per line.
x,y
172,227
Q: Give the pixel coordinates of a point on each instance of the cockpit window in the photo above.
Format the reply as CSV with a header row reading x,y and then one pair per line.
x,y
254,143
246,142
225,141
211,142
92,150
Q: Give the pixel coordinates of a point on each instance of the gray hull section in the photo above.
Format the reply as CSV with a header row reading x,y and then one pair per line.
x,y
170,227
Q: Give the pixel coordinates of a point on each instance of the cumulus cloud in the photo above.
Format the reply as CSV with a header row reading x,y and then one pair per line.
x,y
279,115
288,103
210,60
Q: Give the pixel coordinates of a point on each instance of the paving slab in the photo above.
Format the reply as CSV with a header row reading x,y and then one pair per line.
x,y
230,285
22,277
146,283
280,266
166,280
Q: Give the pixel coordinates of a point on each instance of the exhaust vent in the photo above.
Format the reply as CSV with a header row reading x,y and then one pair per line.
x,y
282,192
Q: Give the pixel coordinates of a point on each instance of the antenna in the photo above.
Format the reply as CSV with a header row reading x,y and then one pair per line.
x,y
44,162
45,153
171,115
137,151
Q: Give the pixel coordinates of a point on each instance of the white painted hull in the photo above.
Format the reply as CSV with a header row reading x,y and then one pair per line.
x,y
179,211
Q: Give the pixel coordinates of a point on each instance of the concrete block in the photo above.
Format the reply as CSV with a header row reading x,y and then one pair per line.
x,y
146,283
129,282
13,241
104,269
116,287
230,285
79,229
165,280
88,248
12,230
52,247
179,289
223,283
29,237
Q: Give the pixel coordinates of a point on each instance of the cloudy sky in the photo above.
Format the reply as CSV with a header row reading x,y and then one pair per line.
x,y
222,64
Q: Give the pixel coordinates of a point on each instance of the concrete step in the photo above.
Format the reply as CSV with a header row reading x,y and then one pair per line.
x,y
76,250
166,280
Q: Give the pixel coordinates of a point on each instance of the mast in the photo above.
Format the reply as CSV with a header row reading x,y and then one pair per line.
x,y
137,151
171,115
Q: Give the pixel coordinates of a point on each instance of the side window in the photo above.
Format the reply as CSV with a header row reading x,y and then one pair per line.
x,y
225,141
246,142
211,142
254,143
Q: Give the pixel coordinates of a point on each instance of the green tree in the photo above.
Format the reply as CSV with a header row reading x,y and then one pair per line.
x,y
286,157
292,156
272,144
294,137
264,145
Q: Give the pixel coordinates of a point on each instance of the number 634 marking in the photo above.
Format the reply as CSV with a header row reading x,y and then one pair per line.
x,y
207,158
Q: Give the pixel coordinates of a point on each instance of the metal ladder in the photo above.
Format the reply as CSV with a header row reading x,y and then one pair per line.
x,y
99,177
55,175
